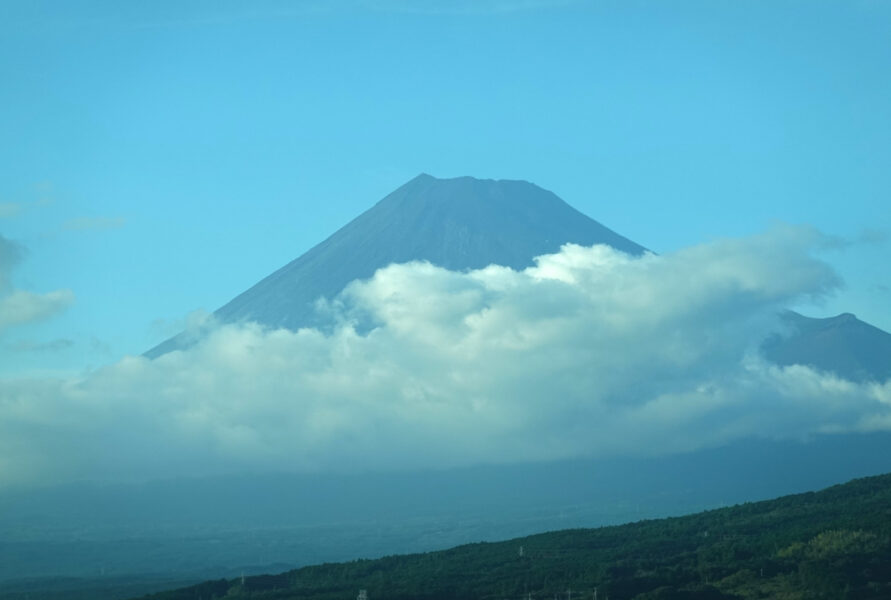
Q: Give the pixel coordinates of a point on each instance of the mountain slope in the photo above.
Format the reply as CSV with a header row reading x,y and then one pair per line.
x,y
461,223
831,544
843,345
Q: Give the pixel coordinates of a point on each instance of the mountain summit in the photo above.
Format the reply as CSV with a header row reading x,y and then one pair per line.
x,y
461,223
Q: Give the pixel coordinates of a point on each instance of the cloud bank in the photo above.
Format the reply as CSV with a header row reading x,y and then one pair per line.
x,y
590,352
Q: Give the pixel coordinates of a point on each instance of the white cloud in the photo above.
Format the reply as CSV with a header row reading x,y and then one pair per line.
x,y
21,306
589,353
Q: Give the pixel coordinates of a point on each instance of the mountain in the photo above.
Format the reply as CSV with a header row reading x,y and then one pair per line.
x,y
462,223
835,543
467,223
843,345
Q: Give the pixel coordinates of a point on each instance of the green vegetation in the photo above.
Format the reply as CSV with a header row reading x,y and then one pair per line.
x,y
830,544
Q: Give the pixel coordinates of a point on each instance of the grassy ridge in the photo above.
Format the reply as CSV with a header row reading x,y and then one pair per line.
x,y
835,543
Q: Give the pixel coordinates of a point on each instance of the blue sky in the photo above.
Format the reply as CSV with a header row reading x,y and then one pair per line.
x,y
161,157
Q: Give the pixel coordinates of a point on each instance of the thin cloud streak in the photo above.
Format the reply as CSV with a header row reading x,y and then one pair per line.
x,y
93,223
11,254
10,209
57,345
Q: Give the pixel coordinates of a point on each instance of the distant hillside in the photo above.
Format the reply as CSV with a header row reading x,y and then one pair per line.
x,y
843,345
835,543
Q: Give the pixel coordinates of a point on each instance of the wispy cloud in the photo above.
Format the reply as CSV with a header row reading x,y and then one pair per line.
x,y
21,306
11,253
10,209
873,236
589,353
57,345
41,193
93,223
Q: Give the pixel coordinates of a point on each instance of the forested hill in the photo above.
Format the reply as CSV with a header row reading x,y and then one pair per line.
x,y
835,543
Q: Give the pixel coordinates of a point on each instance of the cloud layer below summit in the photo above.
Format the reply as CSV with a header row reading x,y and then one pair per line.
x,y
590,352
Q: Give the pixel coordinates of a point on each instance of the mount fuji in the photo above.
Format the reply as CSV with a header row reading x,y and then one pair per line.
x,y
467,223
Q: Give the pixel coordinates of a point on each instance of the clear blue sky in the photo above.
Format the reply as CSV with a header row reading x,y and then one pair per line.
x,y
161,157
